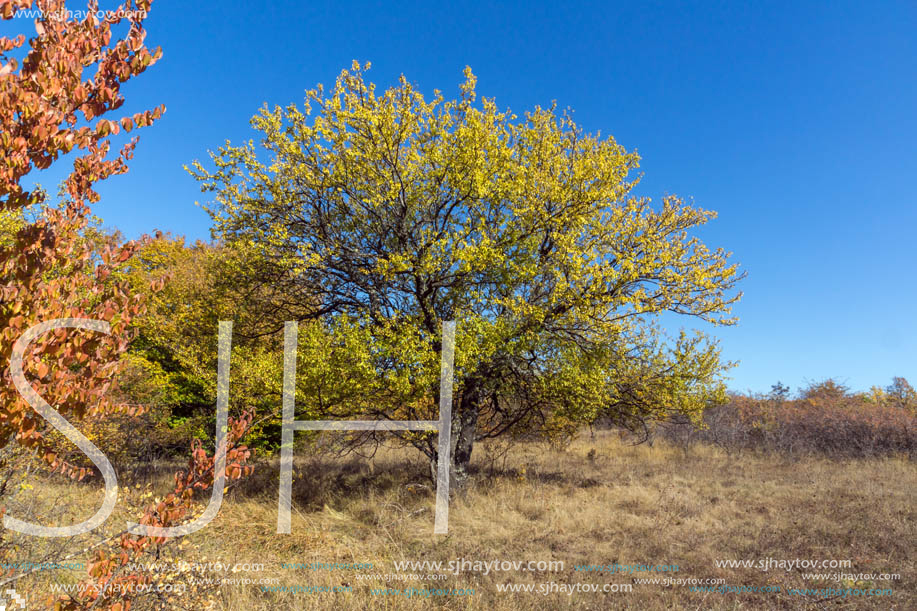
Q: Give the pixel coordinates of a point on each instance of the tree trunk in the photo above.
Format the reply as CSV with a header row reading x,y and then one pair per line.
x,y
464,427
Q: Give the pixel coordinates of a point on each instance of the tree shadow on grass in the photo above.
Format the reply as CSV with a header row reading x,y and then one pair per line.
x,y
320,481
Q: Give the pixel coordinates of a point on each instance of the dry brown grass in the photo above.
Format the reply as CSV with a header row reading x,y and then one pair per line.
x,y
599,502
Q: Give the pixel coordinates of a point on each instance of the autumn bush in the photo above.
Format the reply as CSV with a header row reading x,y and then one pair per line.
x,y
825,419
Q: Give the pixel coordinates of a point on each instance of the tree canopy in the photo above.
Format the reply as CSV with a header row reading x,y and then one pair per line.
x,y
392,213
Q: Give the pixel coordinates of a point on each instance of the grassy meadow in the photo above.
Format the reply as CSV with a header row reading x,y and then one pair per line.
x,y
601,501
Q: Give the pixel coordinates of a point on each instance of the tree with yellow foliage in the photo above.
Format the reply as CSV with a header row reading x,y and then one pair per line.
x,y
394,213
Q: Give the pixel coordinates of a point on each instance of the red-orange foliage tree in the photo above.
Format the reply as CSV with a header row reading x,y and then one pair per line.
x,y
49,107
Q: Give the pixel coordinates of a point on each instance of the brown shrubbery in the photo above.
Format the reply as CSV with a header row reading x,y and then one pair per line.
x,y
825,419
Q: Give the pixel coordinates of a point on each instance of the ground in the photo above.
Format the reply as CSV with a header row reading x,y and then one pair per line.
x,y
600,501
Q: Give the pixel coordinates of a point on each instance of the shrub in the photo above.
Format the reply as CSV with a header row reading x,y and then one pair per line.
x,y
825,419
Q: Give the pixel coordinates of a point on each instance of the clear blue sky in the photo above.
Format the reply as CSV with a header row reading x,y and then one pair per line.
x,y
795,121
